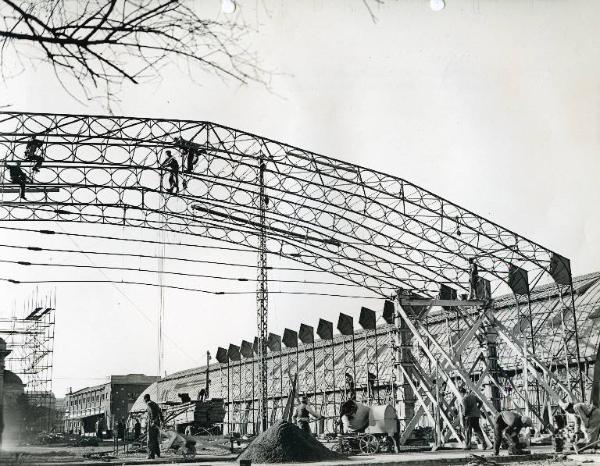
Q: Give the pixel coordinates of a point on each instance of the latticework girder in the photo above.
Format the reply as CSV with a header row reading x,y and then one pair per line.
x,y
373,229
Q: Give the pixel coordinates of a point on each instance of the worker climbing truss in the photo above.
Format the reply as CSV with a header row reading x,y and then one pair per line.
x,y
368,228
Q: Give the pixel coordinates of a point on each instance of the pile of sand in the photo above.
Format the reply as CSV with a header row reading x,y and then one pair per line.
x,y
284,442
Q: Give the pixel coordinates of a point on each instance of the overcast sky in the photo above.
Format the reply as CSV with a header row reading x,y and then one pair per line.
x,y
492,104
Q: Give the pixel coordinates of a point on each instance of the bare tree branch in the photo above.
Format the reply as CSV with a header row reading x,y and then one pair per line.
x,y
104,43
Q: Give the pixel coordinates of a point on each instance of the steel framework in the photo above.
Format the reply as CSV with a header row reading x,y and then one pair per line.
x,y
371,229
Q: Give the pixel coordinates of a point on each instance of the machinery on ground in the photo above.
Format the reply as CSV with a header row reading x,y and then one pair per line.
x,y
367,429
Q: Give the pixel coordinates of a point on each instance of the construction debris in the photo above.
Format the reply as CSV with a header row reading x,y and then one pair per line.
x,y
284,442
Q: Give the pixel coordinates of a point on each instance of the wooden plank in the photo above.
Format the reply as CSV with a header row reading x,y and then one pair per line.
x,y
15,189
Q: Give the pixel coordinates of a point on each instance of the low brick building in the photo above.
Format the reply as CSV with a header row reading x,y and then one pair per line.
x,y
103,404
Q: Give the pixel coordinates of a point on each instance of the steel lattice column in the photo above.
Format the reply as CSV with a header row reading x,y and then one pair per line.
x,y
262,297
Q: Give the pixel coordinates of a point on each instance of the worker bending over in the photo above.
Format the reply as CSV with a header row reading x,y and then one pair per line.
x,y
302,414
354,417
588,418
508,425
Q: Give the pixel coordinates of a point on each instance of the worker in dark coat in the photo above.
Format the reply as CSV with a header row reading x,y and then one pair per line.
x,y
99,428
508,424
473,278
190,154
173,165
302,415
350,390
137,429
18,176
30,153
121,429
471,409
154,420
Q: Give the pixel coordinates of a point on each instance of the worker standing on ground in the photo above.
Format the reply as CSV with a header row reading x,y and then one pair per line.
x,y
508,425
302,414
30,153
471,410
137,429
473,278
350,390
588,418
121,429
173,165
18,176
153,423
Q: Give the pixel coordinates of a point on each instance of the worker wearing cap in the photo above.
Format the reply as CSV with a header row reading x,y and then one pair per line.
x,y
302,414
153,423
471,410
508,425
588,417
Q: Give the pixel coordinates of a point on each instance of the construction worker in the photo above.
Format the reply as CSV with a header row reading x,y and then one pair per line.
x,y
354,417
190,153
121,429
350,390
371,381
473,278
471,411
30,153
588,418
508,425
137,429
99,428
18,176
153,422
173,165
302,414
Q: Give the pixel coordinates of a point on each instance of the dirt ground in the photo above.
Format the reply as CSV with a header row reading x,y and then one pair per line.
x,y
210,448
216,450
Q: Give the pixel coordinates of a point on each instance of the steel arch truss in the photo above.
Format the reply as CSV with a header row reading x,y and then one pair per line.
x,y
373,229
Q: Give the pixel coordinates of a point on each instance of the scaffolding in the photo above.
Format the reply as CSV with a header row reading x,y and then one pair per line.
x,y
31,338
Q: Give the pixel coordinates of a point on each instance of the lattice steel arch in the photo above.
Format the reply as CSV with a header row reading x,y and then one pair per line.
x,y
372,229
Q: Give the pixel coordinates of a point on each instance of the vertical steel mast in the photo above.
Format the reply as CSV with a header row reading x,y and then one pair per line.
x,y
262,298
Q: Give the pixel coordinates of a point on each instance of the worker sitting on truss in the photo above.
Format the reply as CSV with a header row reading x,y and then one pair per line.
x,y
30,153
18,176
173,166
508,425
588,419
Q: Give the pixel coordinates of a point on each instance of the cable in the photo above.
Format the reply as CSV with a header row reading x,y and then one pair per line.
x,y
150,256
182,288
183,274
116,238
131,302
